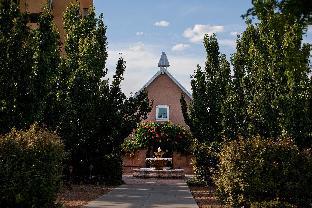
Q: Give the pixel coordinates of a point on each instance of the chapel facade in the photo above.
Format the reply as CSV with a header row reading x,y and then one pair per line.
x,y
165,93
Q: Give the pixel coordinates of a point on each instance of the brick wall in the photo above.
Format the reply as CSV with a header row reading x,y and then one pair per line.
x,y
137,160
163,91
130,162
58,8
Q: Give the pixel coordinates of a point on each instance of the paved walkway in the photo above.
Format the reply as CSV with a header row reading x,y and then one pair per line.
x,y
147,193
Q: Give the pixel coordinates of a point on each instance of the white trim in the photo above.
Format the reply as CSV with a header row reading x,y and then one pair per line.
x,y
165,71
157,111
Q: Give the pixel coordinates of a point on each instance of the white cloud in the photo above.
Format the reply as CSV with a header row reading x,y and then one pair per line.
x,y
141,64
180,47
234,33
197,33
162,23
182,67
139,33
137,47
227,42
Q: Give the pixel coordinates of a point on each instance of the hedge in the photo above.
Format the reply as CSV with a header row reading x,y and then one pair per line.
x,y
261,172
30,168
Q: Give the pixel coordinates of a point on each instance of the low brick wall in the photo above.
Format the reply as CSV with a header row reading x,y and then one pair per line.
x,y
183,162
137,160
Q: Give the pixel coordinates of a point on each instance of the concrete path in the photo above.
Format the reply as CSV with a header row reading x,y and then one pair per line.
x,y
147,193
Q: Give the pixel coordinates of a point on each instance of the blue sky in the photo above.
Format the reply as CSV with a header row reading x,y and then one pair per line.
x,y
142,29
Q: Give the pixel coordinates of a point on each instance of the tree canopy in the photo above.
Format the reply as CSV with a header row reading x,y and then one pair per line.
x,y
68,93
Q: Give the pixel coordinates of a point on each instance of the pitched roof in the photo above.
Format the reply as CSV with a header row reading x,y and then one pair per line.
x,y
165,71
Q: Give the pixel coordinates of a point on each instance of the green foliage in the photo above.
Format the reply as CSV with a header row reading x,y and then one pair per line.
x,y
29,69
206,160
16,89
30,168
300,10
259,170
167,136
81,73
69,94
271,70
95,115
46,60
131,145
204,116
195,182
113,170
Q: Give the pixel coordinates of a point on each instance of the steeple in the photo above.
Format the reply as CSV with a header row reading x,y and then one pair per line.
x,y
163,62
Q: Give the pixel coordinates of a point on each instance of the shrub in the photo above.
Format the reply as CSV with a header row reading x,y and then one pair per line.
x,y
110,168
260,170
30,168
131,145
101,168
166,135
195,182
272,204
206,160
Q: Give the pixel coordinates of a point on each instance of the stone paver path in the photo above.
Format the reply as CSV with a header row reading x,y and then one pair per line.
x,y
147,193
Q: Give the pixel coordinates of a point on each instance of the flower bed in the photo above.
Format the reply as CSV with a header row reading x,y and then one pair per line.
x,y
167,136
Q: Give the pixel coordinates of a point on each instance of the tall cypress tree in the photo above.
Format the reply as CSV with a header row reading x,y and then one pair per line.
x,y
275,68
82,70
16,86
209,87
204,116
97,115
46,62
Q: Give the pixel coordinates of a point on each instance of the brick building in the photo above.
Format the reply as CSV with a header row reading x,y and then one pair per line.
x,y
58,7
165,92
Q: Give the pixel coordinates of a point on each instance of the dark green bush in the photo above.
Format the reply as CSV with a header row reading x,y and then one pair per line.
x,y
111,169
30,168
98,169
206,160
260,170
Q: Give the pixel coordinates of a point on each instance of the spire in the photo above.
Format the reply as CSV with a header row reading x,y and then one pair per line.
x,y
163,62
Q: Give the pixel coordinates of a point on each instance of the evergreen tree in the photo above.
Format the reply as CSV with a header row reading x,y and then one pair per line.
x,y
16,86
235,117
301,10
29,68
274,65
204,116
209,89
46,61
82,70
96,115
